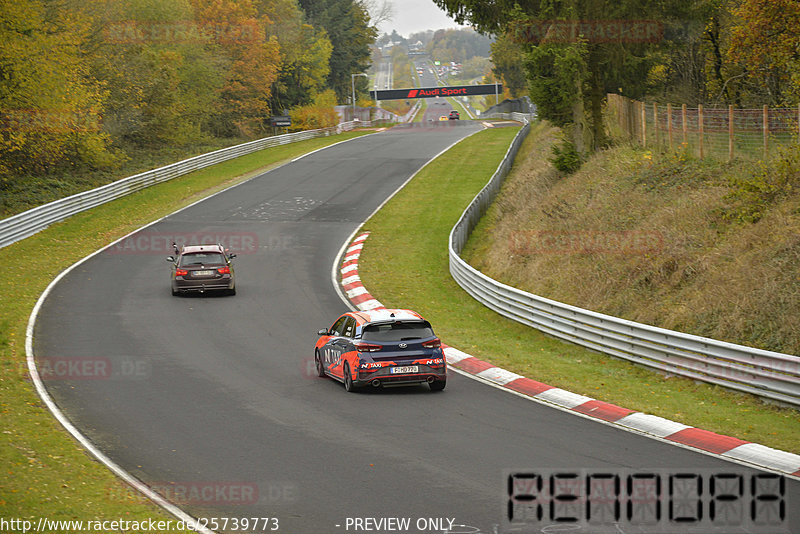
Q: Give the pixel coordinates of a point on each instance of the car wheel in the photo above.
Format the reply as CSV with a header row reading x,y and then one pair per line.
x,y
232,291
175,293
438,385
318,364
348,378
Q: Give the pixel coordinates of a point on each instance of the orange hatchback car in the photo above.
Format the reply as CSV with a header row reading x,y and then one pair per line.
x,y
381,348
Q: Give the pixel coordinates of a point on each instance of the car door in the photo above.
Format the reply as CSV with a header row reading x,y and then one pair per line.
x,y
342,345
331,352
347,347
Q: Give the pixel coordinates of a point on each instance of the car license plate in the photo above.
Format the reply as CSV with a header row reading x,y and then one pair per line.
x,y
404,370
202,273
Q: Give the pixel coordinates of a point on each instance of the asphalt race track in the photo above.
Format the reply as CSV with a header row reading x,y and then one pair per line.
x,y
213,399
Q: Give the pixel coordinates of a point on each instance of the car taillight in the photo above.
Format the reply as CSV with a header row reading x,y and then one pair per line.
x,y
367,347
224,270
433,344
181,272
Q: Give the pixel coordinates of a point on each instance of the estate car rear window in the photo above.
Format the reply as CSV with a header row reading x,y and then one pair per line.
x,y
202,258
398,331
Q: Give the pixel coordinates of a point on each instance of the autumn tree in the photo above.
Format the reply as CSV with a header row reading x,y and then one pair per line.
x,y
766,42
347,23
160,70
238,33
305,54
83,81
577,51
50,105
508,60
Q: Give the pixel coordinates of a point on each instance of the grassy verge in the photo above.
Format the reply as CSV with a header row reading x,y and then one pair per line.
x,y
652,238
45,473
420,116
410,269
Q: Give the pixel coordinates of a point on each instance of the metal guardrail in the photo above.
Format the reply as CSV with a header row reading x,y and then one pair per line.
x,y
770,375
514,116
36,219
409,116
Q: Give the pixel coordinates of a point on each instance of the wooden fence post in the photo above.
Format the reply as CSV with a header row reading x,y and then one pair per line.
x,y
730,133
685,126
700,127
669,124
766,131
655,122
644,125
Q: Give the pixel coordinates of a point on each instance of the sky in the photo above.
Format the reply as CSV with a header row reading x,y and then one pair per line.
x,y
412,16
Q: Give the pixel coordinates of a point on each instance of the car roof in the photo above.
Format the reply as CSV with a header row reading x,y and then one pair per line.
x,y
192,249
385,315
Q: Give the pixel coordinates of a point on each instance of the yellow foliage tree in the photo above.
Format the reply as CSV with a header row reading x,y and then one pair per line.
x,y
320,114
49,104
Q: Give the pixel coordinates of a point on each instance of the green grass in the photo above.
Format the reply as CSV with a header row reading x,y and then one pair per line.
x,y
409,269
44,472
420,116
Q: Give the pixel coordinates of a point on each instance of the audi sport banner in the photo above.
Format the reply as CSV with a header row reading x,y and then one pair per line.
x,y
429,92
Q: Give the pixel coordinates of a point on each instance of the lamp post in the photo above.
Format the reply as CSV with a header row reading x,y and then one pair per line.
x,y
353,86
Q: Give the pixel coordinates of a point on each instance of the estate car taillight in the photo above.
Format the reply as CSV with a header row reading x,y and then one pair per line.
x,y
224,270
181,272
432,344
367,347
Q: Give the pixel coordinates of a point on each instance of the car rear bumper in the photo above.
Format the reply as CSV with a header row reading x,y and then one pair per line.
x,y
202,286
386,378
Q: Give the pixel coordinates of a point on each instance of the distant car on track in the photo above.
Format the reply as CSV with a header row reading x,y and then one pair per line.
x,y
381,348
201,268
454,115
443,118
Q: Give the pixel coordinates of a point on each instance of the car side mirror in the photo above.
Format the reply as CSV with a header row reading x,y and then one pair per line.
x,y
231,256
323,332
170,259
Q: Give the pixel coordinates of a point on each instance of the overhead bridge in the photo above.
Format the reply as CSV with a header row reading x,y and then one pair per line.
x,y
431,92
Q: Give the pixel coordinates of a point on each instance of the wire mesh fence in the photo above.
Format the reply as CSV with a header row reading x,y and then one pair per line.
x,y
720,133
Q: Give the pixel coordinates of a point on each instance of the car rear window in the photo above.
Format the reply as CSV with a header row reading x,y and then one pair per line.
x,y
397,331
202,258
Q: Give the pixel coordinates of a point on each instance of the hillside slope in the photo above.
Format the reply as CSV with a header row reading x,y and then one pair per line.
x,y
702,247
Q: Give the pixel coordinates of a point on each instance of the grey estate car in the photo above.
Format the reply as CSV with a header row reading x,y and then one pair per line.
x,y
201,268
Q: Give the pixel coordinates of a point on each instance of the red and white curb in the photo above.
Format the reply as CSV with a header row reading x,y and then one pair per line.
x,y
351,282
728,447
